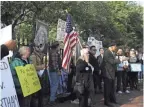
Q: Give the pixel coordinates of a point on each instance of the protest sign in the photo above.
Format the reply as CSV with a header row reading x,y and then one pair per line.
x,y
41,36
28,79
93,42
8,96
61,27
6,35
120,67
136,67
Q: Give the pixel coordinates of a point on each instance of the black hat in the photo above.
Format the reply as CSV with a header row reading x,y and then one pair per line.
x,y
55,44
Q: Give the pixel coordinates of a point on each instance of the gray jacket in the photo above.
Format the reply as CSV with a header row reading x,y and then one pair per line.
x,y
109,64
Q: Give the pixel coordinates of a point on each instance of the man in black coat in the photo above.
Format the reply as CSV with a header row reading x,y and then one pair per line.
x,y
109,64
93,61
100,62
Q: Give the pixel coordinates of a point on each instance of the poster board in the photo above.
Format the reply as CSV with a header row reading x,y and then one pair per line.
x,y
135,67
61,27
28,79
8,96
93,42
6,35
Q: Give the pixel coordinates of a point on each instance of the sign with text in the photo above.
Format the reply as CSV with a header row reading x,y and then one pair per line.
x,y
93,42
8,96
28,79
136,67
61,27
6,35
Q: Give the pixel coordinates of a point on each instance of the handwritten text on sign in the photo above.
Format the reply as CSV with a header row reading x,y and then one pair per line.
x,y
28,79
8,97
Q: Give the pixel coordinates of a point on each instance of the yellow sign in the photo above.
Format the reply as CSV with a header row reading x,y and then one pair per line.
x,y
28,79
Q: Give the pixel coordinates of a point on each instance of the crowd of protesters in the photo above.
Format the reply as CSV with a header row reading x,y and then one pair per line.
x,y
88,77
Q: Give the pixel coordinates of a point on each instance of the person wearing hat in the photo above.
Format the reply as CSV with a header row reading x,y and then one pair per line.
x,y
109,64
55,67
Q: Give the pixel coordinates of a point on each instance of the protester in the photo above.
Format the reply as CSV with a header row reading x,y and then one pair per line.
x,y
109,75
127,53
96,74
121,73
54,71
6,47
100,62
84,77
133,75
21,59
37,60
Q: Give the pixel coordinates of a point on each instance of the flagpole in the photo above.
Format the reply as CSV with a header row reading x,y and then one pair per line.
x,y
80,43
75,53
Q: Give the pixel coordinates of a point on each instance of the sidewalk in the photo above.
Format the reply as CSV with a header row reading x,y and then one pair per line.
x,y
134,99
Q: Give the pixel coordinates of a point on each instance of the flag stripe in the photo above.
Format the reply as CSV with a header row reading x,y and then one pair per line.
x,y
70,40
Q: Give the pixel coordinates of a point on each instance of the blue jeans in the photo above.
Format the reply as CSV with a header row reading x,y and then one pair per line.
x,y
54,81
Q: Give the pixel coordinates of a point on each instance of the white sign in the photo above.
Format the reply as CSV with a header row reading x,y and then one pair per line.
x,y
61,27
93,42
6,35
136,67
8,97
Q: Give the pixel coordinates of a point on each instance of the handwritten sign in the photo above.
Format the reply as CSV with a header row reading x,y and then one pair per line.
x,y
28,79
135,67
8,96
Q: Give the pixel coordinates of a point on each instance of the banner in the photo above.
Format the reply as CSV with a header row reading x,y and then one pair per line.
x,y
8,96
93,42
41,36
61,27
6,35
28,79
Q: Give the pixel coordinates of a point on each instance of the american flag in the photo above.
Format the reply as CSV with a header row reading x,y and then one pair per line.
x,y
70,41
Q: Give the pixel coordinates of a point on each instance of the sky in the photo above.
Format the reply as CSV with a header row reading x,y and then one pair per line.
x,y
140,2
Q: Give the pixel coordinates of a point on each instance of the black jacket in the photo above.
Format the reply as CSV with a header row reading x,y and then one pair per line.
x,y
100,62
94,62
83,71
109,65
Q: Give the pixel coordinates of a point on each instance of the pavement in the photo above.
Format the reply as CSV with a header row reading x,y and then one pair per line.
x,y
134,99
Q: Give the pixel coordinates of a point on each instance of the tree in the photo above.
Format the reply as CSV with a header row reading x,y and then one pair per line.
x,y
116,20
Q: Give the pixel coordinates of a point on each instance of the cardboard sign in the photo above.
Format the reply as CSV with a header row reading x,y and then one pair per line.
x,y
61,27
28,79
120,67
8,96
136,67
